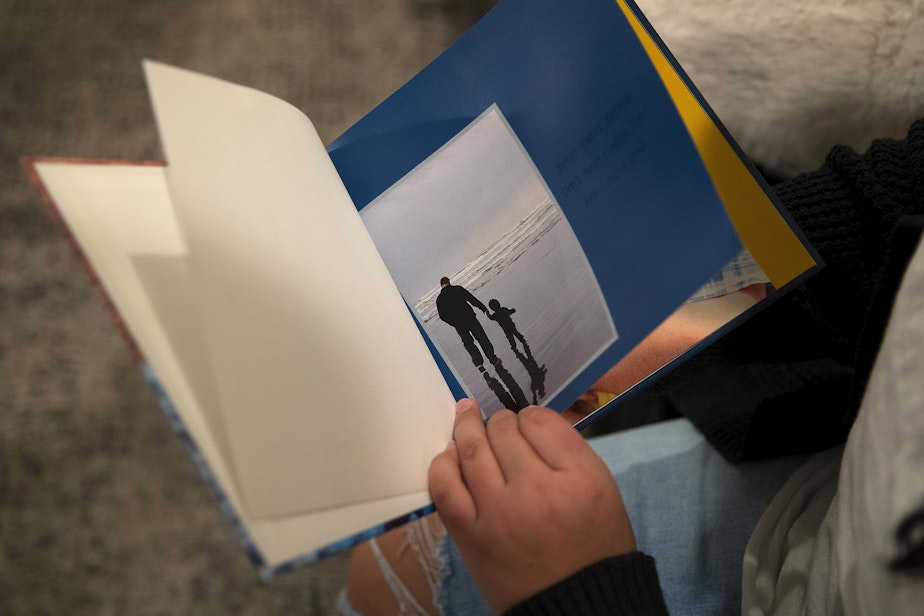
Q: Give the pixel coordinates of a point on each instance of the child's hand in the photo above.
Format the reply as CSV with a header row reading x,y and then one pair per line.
x,y
526,500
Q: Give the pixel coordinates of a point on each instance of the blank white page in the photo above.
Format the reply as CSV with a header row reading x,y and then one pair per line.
x,y
328,393
121,218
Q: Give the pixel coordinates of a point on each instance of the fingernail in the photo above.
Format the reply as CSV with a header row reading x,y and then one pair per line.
x,y
463,405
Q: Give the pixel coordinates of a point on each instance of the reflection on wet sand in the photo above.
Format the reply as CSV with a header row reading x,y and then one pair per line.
x,y
506,388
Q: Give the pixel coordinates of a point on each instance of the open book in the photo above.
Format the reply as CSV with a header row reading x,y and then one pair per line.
x,y
549,198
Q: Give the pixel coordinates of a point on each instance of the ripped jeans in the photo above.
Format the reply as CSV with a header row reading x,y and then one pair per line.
x,y
690,509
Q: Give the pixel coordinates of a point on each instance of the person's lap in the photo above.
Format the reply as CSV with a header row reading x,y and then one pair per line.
x,y
690,509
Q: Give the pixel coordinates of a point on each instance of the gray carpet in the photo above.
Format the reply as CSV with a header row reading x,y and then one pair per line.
x,y
101,511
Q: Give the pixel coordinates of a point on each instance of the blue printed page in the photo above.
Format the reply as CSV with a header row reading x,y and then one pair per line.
x,y
537,200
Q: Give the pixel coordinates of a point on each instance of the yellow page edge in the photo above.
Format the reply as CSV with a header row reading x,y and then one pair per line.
x,y
762,228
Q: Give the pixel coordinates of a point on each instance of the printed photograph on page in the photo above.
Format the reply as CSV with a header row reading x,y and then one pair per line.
x,y
489,265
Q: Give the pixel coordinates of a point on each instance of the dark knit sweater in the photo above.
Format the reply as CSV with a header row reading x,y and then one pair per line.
x,y
790,379
625,585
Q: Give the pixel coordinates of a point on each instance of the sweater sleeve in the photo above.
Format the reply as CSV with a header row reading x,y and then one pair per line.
x,y
625,585
474,301
789,380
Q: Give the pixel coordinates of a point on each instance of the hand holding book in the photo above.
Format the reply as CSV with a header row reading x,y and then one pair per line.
x,y
527,501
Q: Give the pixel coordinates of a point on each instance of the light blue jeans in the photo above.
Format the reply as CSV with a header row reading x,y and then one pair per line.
x,y
690,509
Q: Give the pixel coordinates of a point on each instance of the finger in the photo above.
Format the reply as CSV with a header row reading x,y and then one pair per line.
x,y
448,490
515,456
554,440
480,470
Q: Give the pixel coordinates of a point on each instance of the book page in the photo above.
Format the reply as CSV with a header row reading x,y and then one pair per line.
x,y
545,154
328,393
120,217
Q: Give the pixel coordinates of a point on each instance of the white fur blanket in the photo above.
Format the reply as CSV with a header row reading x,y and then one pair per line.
x,y
792,78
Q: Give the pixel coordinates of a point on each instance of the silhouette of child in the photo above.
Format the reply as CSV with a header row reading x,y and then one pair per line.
x,y
502,316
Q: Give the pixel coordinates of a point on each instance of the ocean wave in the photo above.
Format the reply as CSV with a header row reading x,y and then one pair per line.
x,y
497,258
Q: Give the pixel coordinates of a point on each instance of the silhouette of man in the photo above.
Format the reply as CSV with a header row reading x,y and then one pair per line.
x,y
454,306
